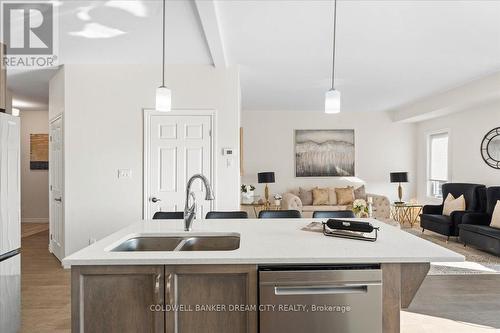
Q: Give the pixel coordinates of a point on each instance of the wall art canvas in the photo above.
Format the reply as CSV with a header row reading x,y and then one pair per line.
x,y
324,153
39,151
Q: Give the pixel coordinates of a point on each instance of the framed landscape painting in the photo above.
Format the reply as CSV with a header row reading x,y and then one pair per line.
x,y
39,151
324,153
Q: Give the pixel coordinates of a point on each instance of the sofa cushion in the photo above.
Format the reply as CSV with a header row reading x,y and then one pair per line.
x,y
345,196
320,196
495,218
482,230
360,193
439,219
451,204
306,196
332,196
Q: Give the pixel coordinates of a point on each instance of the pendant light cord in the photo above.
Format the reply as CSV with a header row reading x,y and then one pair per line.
x,y
334,41
163,50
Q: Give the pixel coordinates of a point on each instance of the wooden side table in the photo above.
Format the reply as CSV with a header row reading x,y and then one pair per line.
x,y
257,207
406,212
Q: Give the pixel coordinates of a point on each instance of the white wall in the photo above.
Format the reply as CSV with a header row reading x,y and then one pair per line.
x,y
34,183
56,94
381,147
467,129
103,133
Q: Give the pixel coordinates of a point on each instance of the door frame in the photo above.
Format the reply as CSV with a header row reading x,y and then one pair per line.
x,y
63,227
147,114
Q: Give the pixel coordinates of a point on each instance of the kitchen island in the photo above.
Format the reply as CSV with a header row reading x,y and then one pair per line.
x,y
127,289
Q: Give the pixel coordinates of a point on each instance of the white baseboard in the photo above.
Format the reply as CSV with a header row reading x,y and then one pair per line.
x,y
35,220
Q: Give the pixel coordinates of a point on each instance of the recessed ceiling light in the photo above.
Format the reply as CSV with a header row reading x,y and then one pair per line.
x,y
96,31
83,13
134,7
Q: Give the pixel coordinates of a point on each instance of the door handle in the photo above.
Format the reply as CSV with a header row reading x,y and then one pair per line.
x,y
169,290
157,288
322,290
58,199
155,200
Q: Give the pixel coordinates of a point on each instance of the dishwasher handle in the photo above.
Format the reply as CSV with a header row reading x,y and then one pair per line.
x,y
322,290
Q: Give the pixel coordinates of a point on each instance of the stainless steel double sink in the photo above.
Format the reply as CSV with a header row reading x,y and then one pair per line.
x,y
180,243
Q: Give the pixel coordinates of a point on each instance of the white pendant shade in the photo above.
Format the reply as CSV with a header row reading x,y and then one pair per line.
x,y
332,101
163,99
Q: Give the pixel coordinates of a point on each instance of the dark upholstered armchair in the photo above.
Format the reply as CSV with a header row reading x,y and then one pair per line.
x,y
475,228
432,217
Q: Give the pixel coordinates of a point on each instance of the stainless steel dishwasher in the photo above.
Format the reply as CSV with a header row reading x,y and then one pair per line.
x,y
320,299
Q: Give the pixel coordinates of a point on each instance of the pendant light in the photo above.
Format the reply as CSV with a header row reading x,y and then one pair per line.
x,y
163,94
332,96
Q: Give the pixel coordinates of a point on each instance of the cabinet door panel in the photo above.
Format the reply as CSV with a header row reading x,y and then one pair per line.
x,y
203,285
117,299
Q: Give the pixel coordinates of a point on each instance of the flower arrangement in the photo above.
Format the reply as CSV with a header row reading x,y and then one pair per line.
x,y
360,208
277,199
247,193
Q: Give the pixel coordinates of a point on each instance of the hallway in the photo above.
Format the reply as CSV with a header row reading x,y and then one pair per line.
x,y
45,287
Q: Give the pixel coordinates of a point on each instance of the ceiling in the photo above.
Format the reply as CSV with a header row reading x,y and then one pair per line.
x,y
389,53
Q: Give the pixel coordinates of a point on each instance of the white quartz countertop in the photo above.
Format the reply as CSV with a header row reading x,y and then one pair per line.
x,y
265,241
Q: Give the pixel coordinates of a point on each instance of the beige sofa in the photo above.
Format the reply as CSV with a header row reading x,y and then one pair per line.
x,y
381,206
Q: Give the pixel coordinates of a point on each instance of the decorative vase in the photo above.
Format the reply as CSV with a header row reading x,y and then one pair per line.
x,y
361,214
247,197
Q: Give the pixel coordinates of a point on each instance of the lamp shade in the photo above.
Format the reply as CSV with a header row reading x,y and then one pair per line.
x,y
265,177
332,101
399,177
163,99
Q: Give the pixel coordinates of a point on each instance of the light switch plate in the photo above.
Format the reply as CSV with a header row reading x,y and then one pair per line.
x,y
124,173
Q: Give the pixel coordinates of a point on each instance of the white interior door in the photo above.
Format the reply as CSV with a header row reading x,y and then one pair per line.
x,y
177,147
56,189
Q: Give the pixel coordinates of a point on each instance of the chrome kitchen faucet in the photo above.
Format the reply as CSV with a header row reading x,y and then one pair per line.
x,y
190,211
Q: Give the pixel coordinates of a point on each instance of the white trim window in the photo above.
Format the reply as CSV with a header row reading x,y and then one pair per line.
x,y
438,163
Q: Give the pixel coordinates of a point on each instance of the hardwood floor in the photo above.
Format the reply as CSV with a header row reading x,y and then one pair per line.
x,y
45,288
462,303
455,303
29,229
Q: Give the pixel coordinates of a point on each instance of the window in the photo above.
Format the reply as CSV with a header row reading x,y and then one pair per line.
x,y
437,173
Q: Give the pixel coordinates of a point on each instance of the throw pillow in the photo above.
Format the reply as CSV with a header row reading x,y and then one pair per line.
x,y
345,196
306,196
451,204
320,196
360,193
495,218
332,196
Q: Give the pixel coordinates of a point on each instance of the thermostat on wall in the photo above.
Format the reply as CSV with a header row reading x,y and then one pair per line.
x,y
227,151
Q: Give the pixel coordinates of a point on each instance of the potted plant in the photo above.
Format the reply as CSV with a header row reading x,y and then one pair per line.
x,y
360,208
247,193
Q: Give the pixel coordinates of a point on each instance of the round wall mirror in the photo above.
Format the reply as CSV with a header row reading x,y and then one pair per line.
x,y
490,148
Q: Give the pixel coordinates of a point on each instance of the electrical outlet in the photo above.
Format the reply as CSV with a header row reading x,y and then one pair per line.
x,y
124,173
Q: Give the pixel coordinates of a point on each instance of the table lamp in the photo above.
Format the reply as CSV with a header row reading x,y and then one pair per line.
x,y
266,178
399,177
